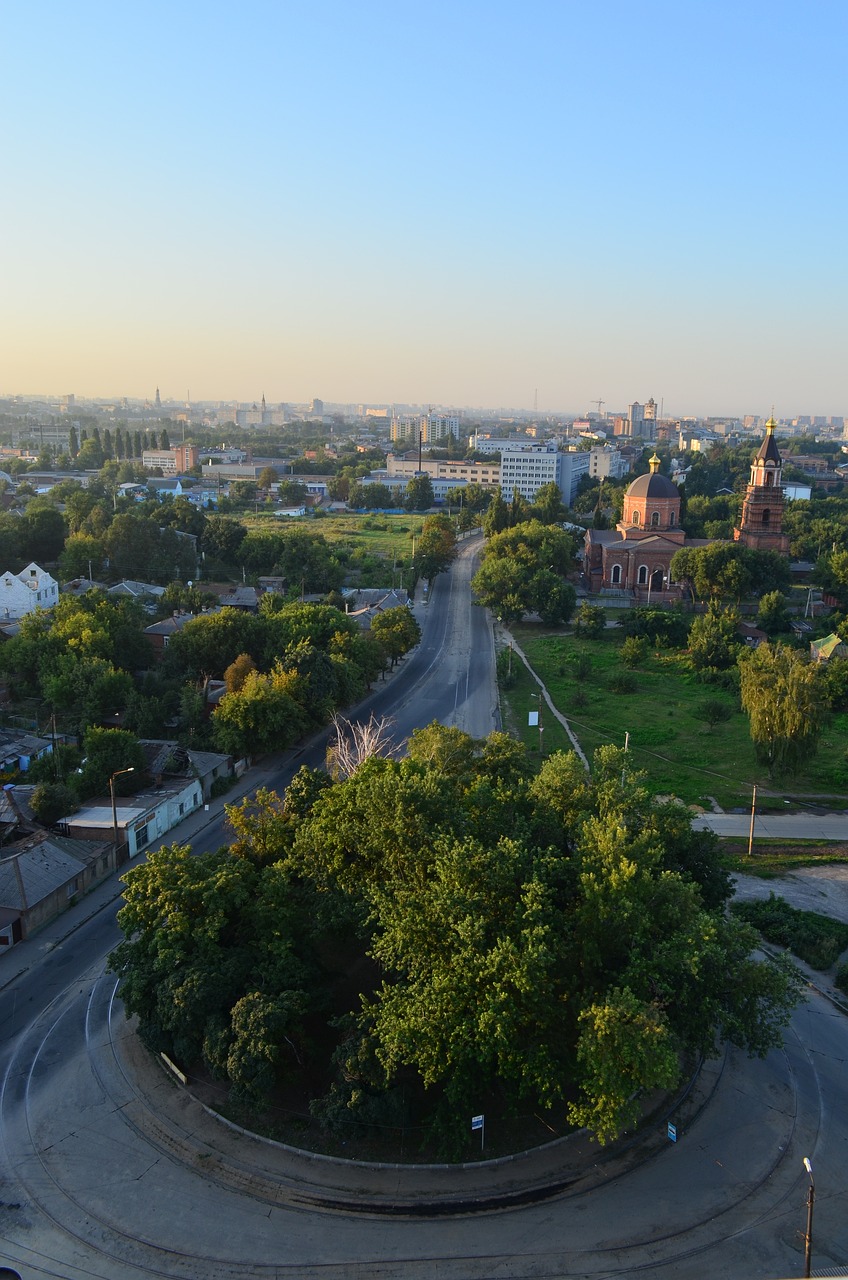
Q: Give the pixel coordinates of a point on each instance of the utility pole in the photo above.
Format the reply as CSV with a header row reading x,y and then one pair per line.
x,y
753,816
626,745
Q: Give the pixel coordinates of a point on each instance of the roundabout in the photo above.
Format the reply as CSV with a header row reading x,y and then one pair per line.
x,y
112,1169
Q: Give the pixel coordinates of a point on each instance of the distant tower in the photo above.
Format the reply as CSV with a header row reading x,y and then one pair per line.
x,y
157,403
761,525
263,402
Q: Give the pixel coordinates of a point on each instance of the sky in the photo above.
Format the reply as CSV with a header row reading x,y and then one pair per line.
x,y
488,203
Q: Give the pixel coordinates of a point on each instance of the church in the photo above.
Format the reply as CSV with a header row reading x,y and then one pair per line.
x,y
635,556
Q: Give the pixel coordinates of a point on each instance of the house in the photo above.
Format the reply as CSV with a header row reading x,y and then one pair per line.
x,y
22,593
136,590
139,820
18,749
42,876
367,603
167,759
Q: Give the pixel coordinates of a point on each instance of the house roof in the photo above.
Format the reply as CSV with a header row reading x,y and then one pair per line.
x,y
30,875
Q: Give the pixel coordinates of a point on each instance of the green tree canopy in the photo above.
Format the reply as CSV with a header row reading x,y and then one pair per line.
x,y
786,699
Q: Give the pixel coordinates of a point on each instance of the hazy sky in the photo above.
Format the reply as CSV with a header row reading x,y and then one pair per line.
x,y
460,202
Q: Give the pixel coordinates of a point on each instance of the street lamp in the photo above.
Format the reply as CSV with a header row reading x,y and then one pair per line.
x,y
115,775
808,1237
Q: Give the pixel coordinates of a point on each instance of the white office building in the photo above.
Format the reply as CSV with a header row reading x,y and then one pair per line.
x,y
526,470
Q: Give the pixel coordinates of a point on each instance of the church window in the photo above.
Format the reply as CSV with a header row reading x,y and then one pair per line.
x,y
769,479
766,516
636,516
643,574
671,518
616,575
655,519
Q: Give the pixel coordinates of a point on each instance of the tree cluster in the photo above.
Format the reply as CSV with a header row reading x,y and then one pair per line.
x,y
523,572
555,941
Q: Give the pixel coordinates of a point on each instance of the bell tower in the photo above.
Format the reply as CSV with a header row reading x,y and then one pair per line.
x,y
761,525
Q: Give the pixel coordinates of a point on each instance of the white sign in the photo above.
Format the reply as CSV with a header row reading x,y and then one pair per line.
x,y
476,1123
533,719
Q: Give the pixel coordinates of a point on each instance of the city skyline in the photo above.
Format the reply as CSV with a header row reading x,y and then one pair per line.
x,y
471,205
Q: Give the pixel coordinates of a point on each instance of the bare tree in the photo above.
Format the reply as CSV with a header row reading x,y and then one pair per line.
x,y
354,743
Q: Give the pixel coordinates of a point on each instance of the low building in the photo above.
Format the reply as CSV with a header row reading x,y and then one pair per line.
x,y
22,593
166,759
19,749
140,819
170,461
45,874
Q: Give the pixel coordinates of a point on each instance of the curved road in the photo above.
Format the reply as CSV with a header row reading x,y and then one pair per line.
x,y
93,1185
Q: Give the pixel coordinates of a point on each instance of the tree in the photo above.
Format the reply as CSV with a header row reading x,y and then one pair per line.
x,y
51,801
523,570
436,549
106,751
772,614
266,714
548,506
786,699
496,518
268,478
370,497
43,531
238,671
713,643
397,630
419,494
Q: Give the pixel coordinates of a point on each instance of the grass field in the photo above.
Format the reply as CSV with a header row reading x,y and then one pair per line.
x,y
680,754
372,544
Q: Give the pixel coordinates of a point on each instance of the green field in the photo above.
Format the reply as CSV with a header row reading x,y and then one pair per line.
x,y
679,753
371,544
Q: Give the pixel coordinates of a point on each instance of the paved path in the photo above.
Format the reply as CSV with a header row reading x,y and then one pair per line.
x,y
780,826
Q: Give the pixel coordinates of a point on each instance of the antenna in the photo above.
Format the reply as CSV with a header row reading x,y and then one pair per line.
x,y
536,400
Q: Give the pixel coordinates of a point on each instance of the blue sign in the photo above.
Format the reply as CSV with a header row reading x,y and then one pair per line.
x,y
476,1123
672,1132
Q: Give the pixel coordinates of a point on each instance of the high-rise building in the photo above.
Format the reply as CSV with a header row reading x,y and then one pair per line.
x,y
431,427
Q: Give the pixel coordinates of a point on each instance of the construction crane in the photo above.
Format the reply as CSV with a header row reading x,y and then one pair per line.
x,y
598,403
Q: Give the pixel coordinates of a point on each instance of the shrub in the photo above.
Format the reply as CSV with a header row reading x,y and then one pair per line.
x,y
814,938
841,978
582,665
590,621
623,682
634,651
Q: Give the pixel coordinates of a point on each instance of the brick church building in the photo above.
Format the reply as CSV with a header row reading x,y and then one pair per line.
x,y
636,555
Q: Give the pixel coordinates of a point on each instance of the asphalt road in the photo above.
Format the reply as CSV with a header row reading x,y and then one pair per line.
x,y
92,1186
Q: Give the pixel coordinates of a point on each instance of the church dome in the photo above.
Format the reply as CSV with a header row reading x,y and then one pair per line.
x,y
653,485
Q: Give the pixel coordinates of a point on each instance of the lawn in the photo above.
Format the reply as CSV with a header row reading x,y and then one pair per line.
x,y
680,754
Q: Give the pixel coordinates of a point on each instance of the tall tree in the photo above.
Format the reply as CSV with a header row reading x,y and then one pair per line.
x,y
786,698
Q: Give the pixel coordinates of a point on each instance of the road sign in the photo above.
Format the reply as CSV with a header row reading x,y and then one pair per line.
x,y
533,719
672,1132
476,1123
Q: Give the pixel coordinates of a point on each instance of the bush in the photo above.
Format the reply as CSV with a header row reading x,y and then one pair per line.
x,y
634,651
506,664
590,621
623,682
582,665
841,978
814,938
713,711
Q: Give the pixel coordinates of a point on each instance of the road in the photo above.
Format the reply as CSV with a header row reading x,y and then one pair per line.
x,y
94,1184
